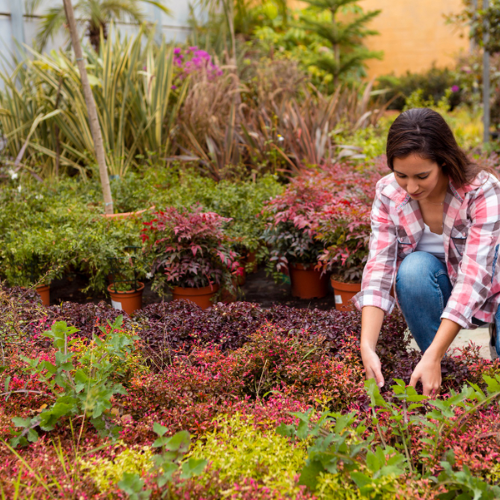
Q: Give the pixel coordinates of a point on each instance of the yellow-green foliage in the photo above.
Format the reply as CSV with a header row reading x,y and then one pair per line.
x,y
336,486
107,472
493,475
339,487
372,139
237,449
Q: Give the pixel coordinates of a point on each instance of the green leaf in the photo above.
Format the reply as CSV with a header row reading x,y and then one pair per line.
x,y
179,442
193,467
168,470
286,430
6,384
32,436
132,484
309,474
374,393
22,422
361,480
159,429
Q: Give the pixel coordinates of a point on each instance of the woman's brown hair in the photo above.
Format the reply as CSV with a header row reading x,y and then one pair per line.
x,y
424,132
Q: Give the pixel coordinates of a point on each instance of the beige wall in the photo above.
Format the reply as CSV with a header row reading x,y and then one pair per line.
x,y
413,34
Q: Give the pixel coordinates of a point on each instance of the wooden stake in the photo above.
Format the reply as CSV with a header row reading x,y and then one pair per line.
x,y
95,127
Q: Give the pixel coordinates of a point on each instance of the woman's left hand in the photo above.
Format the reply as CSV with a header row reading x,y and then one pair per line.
x,y
428,371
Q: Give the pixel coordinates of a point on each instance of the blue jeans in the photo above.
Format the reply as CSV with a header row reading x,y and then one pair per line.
x,y
423,289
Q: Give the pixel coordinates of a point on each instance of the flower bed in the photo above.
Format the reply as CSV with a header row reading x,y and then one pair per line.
x,y
251,387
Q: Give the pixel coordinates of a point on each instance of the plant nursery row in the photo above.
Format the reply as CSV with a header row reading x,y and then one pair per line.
x,y
186,233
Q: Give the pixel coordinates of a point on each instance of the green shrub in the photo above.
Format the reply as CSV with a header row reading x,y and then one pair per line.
x,y
433,83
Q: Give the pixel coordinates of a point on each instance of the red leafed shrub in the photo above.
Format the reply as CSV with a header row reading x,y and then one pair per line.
x,y
189,249
344,229
322,215
298,364
290,219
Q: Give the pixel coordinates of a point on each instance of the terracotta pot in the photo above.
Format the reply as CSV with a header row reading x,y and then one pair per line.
x,y
200,296
44,292
344,292
307,283
127,301
127,215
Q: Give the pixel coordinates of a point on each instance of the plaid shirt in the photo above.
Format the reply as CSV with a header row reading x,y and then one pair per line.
x,y
471,230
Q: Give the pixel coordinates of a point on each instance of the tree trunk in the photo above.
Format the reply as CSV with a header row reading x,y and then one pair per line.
x,y
95,127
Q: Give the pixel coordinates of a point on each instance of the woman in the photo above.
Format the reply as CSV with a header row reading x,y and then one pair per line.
x,y
436,235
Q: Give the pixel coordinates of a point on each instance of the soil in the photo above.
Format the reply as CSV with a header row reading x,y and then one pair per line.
x,y
258,288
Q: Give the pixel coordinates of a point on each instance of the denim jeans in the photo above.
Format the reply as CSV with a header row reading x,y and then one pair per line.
x,y
423,289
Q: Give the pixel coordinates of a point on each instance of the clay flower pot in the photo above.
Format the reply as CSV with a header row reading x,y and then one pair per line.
x,y
200,296
344,292
307,283
44,292
127,301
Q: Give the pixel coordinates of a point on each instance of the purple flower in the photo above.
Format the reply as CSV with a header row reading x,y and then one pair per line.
x,y
455,88
174,87
202,54
177,50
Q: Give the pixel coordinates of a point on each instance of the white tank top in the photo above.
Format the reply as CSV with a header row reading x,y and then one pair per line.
x,y
431,243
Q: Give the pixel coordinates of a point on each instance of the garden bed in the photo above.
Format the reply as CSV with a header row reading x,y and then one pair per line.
x,y
248,381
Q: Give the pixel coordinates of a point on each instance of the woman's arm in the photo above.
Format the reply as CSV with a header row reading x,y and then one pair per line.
x,y
371,323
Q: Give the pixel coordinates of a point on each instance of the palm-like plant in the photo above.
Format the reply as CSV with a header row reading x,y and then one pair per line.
x,y
94,14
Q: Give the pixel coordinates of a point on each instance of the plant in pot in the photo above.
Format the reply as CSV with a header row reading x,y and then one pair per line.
x,y
191,255
34,257
344,229
125,288
111,247
291,238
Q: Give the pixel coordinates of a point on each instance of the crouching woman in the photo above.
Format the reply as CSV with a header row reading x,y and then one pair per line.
x,y
436,236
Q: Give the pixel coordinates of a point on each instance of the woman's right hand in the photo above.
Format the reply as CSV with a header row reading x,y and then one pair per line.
x,y
373,367
371,323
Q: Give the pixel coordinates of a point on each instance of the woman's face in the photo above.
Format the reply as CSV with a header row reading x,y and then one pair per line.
x,y
420,178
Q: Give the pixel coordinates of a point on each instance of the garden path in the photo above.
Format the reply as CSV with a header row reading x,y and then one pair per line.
x,y
479,337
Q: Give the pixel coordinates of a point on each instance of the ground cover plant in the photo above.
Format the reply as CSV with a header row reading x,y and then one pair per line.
x,y
235,401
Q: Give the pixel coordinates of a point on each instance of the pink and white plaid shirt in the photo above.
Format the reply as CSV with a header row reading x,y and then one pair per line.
x,y
471,231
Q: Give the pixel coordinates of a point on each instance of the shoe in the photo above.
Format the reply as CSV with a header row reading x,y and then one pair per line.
x,y
493,336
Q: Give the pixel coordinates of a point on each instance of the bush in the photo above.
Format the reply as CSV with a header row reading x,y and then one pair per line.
x,y
434,84
188,248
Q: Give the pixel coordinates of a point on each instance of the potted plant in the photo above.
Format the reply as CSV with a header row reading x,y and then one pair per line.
x,y
111,251
125,289
191,255
291,237
344,229
33,257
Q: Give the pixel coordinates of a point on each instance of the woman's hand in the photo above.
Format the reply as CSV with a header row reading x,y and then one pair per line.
x,y
428,371
373,367
371,323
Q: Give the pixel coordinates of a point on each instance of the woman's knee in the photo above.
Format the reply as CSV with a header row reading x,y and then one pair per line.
x,y
418,271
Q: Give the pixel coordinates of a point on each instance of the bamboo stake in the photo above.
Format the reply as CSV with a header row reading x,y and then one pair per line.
x,y
95,128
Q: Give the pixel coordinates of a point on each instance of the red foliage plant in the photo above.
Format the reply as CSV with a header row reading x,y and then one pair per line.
x,y
322,218
190,249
